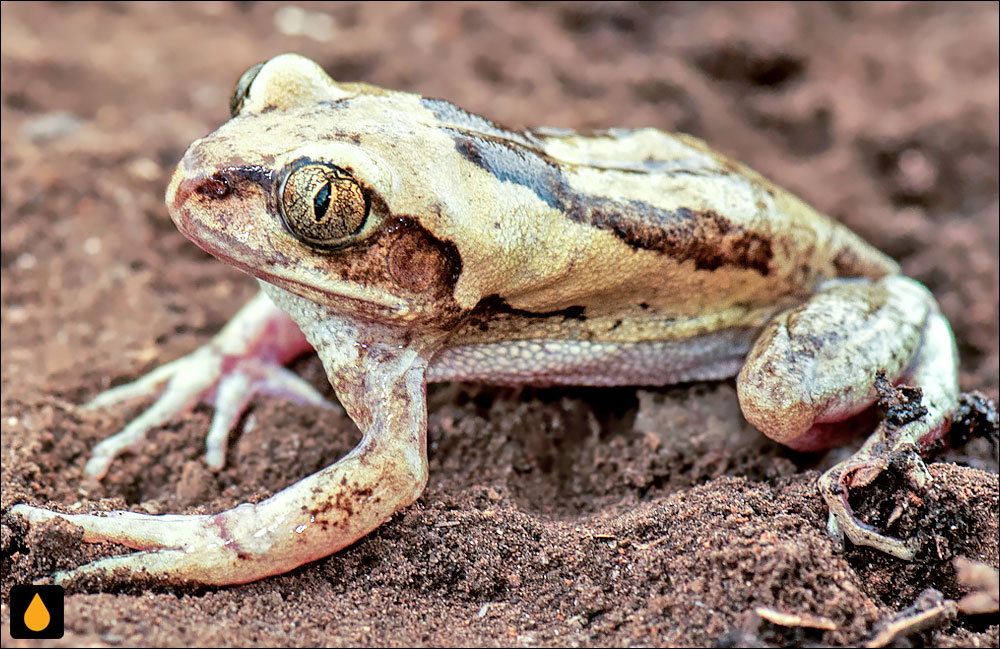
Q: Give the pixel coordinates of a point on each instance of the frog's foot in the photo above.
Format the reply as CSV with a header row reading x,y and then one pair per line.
x,y
308,520
836,486
814,366
244,360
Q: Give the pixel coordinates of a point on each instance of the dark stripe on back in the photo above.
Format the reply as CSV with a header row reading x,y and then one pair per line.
x,y
703,236
451,116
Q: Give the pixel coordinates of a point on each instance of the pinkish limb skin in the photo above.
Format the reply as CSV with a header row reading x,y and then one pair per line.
x,y
245,359
814,365
381,384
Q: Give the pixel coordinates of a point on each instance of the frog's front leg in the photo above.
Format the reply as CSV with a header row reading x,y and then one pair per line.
x,y
243,360
381,384
815,365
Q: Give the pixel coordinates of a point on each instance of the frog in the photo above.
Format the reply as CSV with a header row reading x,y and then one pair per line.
x,y
408,241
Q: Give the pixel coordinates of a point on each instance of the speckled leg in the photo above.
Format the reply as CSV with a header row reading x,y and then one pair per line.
x,y
244,360
382,387
815,365
935,371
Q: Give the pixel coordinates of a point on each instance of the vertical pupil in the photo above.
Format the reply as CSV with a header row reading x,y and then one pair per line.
x,y
321,202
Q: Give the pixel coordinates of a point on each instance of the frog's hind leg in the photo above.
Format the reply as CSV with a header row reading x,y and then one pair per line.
x,y
899,444
815,365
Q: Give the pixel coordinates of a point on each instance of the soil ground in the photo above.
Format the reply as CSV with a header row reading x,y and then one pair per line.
x,y
552,517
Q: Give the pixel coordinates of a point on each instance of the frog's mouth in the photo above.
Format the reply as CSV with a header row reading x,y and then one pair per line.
x,y
222,212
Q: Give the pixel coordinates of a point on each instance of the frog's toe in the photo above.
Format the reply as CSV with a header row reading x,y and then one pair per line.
x,y
173,548
189,379
158,567
142,388
836,485
132,529
207,375
245,359
150,564
237,389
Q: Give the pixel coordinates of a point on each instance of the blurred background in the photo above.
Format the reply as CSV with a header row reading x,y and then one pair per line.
x,y
882,115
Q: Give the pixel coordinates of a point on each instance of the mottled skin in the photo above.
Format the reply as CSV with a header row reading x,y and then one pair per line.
x,y
462,250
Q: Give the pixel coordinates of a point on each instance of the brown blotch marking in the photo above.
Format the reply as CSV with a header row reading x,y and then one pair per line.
x,y
415,262
480,321
345,503
342,500
215,186
368,262
846,263
226,182
705,237
322,508
404,259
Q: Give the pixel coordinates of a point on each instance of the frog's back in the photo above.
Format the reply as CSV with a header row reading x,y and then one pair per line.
x,y
636,226
671,192
623,215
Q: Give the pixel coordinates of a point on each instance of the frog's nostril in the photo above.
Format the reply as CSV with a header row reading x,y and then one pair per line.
x,y
215,186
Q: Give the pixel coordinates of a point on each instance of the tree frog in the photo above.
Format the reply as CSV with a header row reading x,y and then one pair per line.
x,y
409,241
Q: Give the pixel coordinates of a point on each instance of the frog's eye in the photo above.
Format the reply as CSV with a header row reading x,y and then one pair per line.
x,y
322,204
243,89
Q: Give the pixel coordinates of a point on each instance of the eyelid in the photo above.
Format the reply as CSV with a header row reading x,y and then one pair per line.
x,y
364,165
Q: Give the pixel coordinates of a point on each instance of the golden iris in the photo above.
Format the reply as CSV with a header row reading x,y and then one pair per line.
x,y
323,204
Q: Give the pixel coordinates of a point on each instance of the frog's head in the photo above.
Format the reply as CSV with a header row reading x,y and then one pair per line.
x,y
311,187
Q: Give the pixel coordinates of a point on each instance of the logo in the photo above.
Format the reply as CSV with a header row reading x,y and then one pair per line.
x,y
36,612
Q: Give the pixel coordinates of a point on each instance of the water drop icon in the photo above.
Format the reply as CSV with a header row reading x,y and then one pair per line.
x,y
36,616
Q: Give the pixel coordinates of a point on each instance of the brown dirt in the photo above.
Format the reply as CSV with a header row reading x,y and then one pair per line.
x,y
552,517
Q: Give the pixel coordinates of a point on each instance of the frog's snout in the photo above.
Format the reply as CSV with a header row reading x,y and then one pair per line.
x,y
193,197
216,186
190,195
182,191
